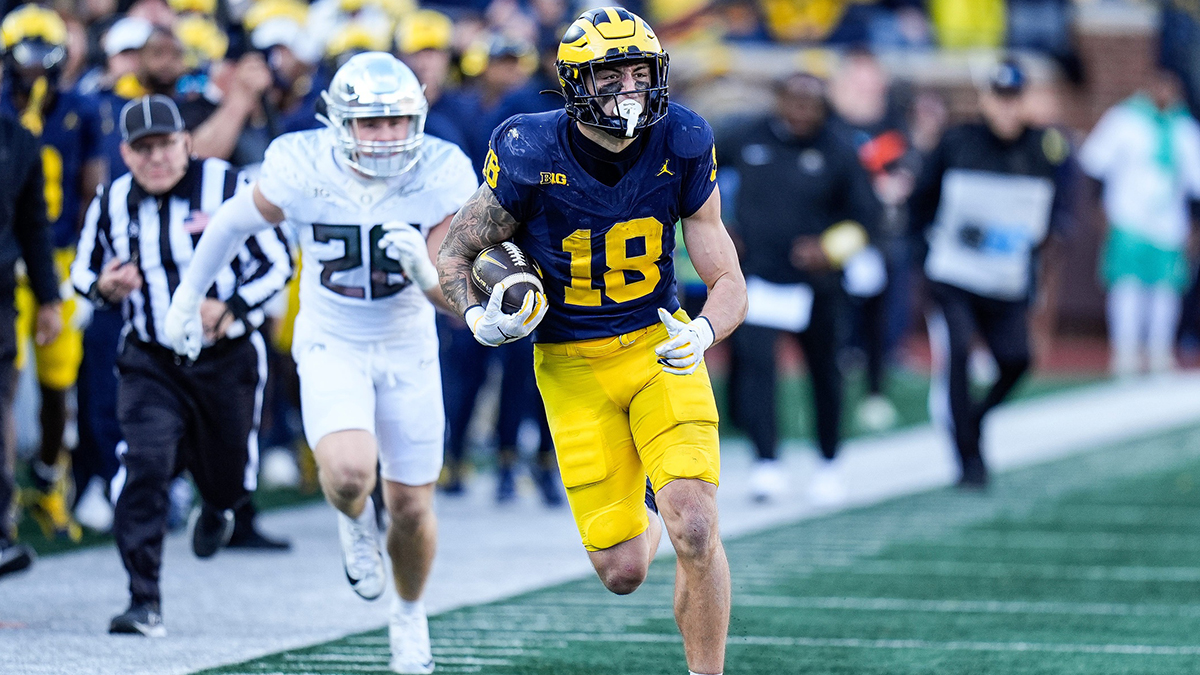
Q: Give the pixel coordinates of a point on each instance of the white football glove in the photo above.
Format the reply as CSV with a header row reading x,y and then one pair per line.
x,y
404,243
683,352
492,327
183,328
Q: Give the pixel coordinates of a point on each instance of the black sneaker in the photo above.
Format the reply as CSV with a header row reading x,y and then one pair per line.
x,y
651,503
14,557
246,534
255,540
211,529
139,619
974,475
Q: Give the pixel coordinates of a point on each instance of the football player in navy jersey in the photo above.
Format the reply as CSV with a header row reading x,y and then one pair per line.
x,y
593,194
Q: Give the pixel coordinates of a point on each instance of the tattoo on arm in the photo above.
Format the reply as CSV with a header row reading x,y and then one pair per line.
x,y
481,222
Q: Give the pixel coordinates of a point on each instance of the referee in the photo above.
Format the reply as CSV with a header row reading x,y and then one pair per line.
x,y
137,240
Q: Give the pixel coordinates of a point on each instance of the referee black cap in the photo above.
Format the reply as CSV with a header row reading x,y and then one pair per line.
x,y
154,114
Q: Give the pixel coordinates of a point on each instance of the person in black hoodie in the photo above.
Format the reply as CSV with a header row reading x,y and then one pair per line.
x,y
803,206
24,234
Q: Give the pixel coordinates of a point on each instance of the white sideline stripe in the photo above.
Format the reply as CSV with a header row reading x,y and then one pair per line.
x,y
1134,574
858,643
970,606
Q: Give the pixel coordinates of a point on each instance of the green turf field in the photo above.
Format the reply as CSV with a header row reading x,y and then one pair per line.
x,y
909,392
1089,565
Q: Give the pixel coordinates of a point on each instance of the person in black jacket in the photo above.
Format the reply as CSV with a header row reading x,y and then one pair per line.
x,y
989,197
803,206
24,234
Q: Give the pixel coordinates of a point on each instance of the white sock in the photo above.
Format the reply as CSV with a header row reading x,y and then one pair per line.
x,y
367,517
406,608
695,673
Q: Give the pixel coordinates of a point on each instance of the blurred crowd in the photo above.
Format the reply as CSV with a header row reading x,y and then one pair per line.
x,y
245,71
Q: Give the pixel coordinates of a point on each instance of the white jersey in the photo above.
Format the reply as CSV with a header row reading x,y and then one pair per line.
x,y
348,285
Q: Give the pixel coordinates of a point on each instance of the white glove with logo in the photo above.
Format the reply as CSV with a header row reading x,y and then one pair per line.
x,y
404,243
183,328
683,352
492,327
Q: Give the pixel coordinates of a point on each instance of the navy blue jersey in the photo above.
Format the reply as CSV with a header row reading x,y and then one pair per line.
x,y
70,138
605,251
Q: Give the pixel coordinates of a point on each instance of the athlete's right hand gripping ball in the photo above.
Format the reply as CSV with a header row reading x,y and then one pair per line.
x,y
492,327
682,353
516,303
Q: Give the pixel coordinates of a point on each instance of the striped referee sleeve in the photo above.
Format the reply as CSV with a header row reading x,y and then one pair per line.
x,y
94,248
266,265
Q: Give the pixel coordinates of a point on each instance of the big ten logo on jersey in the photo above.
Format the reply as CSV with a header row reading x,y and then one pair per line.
x,y
631,252
381,269
550,178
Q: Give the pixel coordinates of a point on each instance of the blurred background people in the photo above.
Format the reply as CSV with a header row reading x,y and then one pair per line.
x,y
24,236
1145,152
991,196
67,126
804,207
875,124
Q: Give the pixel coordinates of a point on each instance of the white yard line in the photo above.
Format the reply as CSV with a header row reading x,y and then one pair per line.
x,y
238,606
533,637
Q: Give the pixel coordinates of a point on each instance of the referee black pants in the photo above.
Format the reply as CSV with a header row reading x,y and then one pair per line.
x,y
753,378
177,416
959,316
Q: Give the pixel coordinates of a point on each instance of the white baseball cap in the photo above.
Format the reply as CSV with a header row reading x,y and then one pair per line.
x,y
128,33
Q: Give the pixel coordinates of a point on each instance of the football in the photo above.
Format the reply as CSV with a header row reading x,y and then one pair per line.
x,y
505,263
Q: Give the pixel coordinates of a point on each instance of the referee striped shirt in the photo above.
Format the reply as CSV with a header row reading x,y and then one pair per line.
x,y
158,233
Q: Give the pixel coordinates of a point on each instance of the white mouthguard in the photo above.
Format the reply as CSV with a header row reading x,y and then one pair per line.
x,y
630,110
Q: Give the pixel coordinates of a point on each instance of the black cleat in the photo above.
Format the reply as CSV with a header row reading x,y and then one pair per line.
x,y
140,619
211,529
246,535
650,500
974,475
14,557
257,541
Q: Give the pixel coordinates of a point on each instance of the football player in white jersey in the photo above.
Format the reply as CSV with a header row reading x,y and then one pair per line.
x,y
370,198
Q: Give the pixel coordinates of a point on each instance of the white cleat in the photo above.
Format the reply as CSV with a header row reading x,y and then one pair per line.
x,y
408,635
827,489
360,553
768,480
876,413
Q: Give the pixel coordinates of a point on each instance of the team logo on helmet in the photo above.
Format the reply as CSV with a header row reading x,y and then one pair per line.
x,y
611,37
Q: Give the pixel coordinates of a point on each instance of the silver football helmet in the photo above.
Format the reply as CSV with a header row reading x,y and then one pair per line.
x,y
375,84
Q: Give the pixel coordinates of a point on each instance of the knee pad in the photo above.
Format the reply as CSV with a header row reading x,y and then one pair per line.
x,y
613,525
